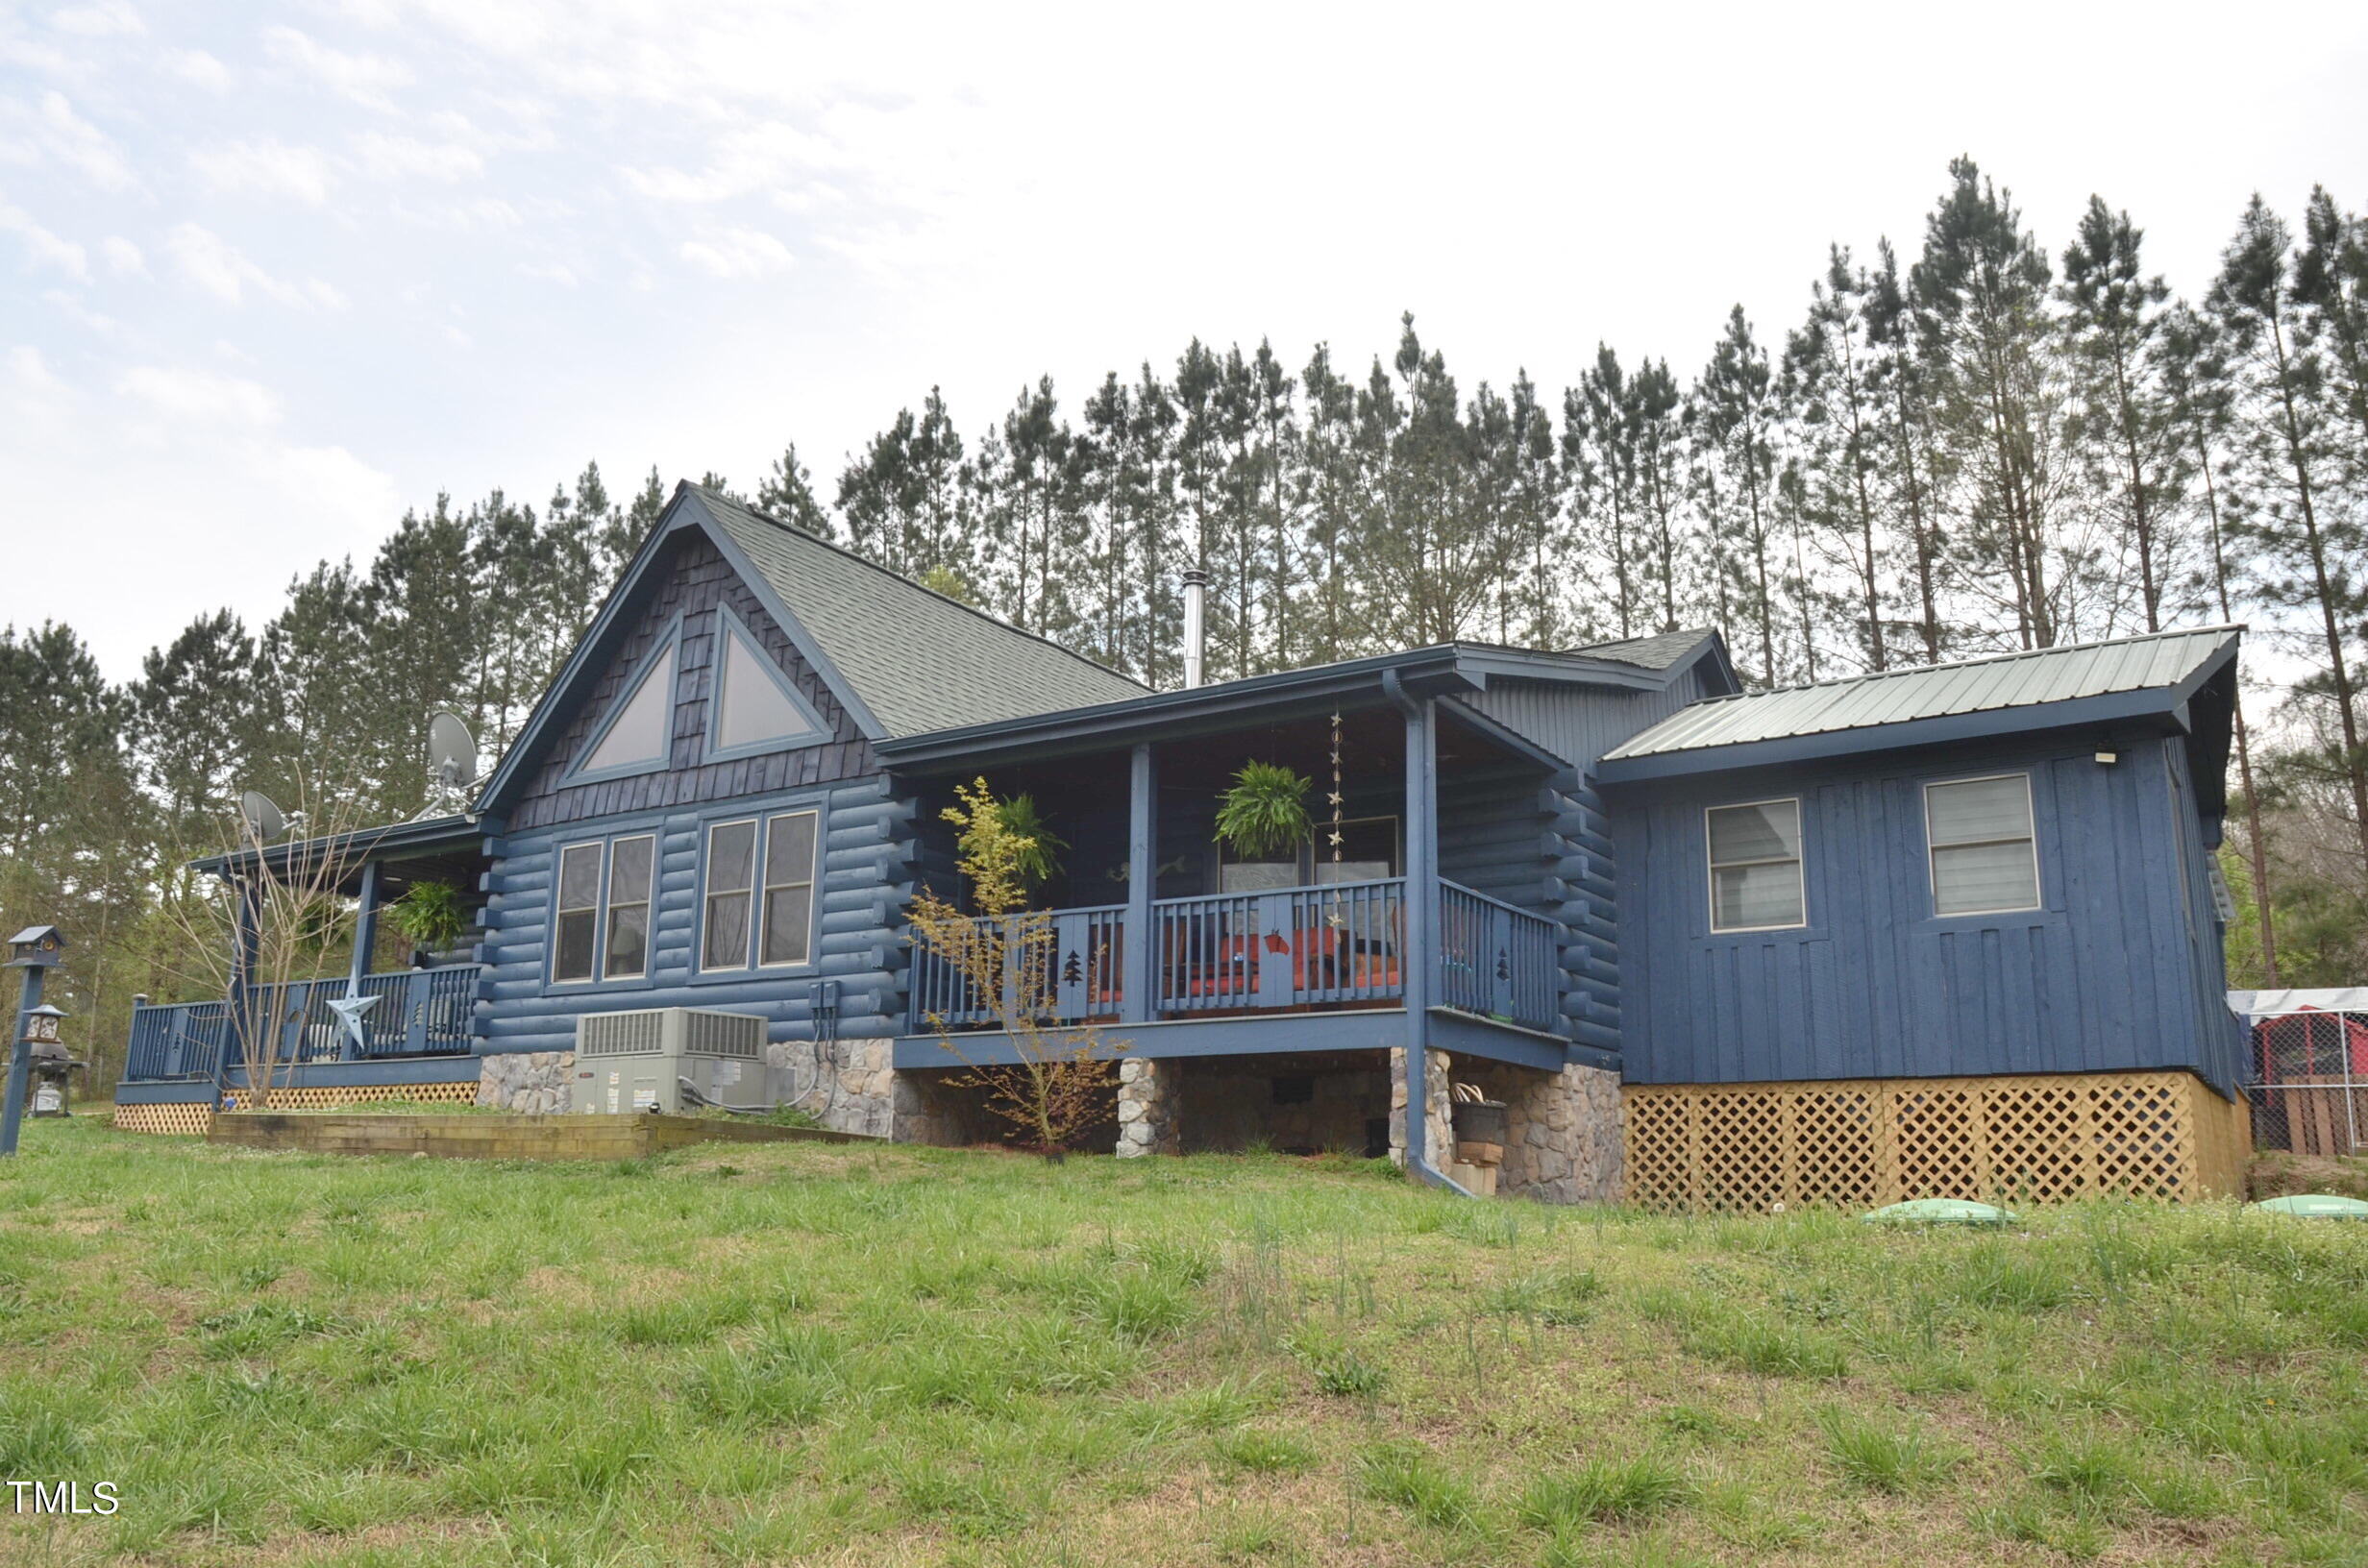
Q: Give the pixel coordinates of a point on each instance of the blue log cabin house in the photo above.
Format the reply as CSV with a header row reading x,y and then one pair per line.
x,y
1944,930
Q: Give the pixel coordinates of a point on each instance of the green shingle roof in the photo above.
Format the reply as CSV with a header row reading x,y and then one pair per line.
x,y
2006,681
917,659
1655,653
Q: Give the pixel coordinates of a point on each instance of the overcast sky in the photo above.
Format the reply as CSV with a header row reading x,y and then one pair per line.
x,y
276,272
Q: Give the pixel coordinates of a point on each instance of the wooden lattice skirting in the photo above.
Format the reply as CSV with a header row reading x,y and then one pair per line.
x,y
1864,1143
197,1119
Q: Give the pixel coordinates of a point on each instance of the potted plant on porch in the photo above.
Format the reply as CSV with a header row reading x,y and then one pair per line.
x,y
430,918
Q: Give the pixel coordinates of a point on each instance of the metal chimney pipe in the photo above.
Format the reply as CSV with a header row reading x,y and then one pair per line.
x,y
1195,625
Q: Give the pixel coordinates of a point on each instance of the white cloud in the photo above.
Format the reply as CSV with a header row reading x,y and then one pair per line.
x,y
548,273
30,373
222,270
69,304
266,168
406,157
42,248
737,253
199,70
336,493
50,131
107,18
369,79
199,396
123,258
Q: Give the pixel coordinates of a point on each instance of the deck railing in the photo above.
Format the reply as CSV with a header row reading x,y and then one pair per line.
x,y
420,1013
1273,950
1064,966
1495,959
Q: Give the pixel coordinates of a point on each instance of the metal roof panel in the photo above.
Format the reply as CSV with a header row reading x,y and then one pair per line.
x,y
1981,685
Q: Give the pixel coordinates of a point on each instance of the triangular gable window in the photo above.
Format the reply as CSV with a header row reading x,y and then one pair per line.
x,y
756,709
637,736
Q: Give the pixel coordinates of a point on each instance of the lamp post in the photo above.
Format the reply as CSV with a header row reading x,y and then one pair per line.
x,y
36,949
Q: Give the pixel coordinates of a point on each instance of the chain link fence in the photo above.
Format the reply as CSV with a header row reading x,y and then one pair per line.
x,y
2310,1087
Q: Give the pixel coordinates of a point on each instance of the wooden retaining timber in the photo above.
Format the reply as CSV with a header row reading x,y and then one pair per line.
x,y
561,1136
1860,1144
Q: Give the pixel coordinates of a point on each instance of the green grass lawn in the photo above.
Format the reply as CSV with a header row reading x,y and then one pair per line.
x,y
858,1356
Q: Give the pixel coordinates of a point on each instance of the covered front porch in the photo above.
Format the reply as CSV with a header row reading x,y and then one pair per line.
x,y
284,1028
1426,901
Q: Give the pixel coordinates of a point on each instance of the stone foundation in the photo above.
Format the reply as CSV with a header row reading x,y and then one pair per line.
x,y
1147,1094
1562,1132
1440,1145
847,1084
531,1083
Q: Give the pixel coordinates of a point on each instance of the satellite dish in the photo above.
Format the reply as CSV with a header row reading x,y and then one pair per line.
x,y
451,751
265,821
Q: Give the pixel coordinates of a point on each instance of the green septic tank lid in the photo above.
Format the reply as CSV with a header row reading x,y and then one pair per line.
x,y
1941,1211
2316,1206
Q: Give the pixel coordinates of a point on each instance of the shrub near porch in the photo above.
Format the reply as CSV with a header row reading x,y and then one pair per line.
x,y
896,1355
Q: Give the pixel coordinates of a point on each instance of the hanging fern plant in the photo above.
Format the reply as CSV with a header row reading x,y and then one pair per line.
x,y
1262,816
1039,858
430,914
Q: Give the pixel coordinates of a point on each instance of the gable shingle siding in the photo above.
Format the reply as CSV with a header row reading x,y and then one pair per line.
x,y
694,582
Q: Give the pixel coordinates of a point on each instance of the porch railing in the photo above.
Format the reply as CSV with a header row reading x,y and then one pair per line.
x,y
1065,964
1495,959
1274,950
420,1013
1290,947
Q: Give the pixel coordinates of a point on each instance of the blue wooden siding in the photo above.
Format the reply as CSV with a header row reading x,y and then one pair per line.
x,y
867,850
1580,723
865,833
2111,972
689,587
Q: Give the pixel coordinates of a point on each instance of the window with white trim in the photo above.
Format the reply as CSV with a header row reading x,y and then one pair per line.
x,y
789,888
632,864
1984,859
732,892
575,942
1755,852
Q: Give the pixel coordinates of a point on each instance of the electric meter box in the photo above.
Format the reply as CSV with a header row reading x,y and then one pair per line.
x,y
627,1063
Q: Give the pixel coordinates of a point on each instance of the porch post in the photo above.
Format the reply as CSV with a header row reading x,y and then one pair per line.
x,y
365,943
1421,966
1139,970
365,923
240,1006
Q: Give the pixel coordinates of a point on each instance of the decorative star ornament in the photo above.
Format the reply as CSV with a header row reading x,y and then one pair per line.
x,y
351,1009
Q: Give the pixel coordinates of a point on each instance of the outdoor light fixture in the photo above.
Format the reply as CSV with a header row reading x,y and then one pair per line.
x,y
2107,759
41,1026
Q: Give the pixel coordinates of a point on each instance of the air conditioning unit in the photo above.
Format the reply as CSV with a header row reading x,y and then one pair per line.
x,y
632,1061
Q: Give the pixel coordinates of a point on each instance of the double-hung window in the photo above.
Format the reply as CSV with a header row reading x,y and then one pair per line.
x,y
1756,866
1985,860
602,915
578,938
789,888
759,900
731,881
632,864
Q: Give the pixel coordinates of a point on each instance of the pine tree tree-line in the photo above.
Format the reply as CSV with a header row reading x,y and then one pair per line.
x,y
1988,447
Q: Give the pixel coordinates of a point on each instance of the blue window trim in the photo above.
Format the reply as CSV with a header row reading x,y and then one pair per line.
x,y
727,626
600,980
667,647
819,804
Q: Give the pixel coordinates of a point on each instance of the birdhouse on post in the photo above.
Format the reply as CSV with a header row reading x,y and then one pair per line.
x,y
36,949
37,945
